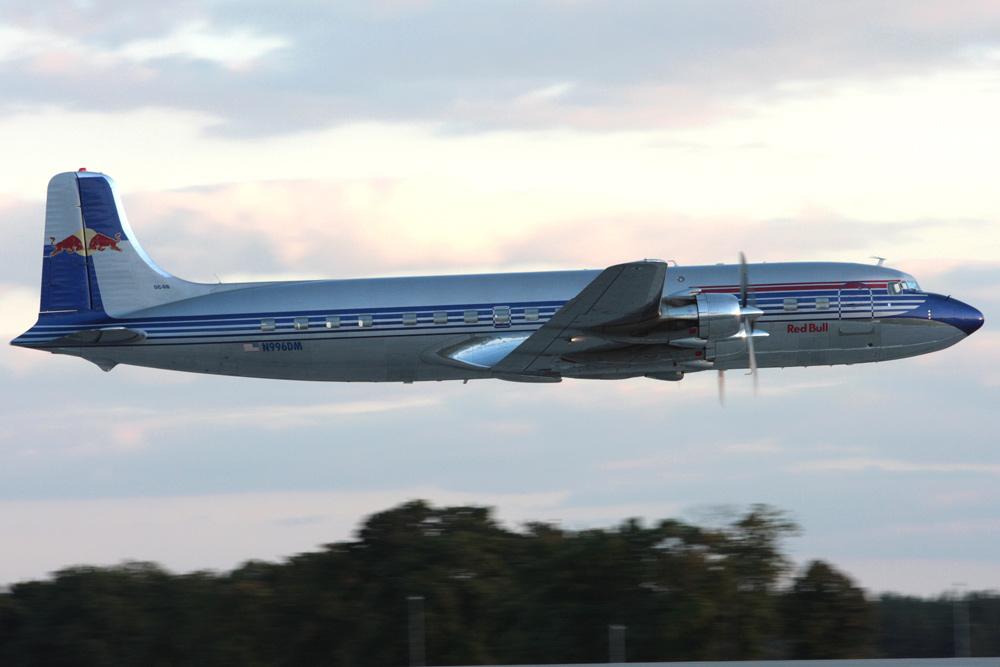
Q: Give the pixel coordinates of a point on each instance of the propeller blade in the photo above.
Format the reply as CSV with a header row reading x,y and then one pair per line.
x,y
753,360
743,280
748,320
722,388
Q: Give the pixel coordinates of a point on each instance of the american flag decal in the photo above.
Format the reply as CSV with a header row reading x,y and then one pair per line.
x,y
251,347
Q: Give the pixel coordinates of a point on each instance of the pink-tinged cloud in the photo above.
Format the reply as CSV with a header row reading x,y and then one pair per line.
x,y
597,107
937,16
857,464
368,227
696,240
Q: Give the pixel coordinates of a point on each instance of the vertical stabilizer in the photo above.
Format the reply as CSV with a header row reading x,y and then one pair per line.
x,y
93,262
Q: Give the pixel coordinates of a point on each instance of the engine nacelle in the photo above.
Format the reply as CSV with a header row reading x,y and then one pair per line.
x,y
716,316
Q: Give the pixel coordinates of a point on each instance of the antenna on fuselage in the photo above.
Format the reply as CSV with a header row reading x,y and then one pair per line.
x,y
881,260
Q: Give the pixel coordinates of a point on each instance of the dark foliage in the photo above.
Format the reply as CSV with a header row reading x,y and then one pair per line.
x,y
914,627
491,595
827,617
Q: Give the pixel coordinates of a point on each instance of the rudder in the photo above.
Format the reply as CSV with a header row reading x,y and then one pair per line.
x,y
65,273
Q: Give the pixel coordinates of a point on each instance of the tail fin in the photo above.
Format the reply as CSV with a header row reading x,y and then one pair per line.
x,y
93,262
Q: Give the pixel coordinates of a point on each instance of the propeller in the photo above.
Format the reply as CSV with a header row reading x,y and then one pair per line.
x,y
748,314
748,317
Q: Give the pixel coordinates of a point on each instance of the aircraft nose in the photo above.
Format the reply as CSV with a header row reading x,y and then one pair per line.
x,y
975,320
960,315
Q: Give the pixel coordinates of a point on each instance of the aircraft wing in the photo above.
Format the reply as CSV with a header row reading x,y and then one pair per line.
x,y
622,295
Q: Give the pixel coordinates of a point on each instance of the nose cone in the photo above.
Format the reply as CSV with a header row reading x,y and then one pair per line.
x,y
960,315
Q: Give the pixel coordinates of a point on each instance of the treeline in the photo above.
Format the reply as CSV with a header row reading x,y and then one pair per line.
x,y
489,596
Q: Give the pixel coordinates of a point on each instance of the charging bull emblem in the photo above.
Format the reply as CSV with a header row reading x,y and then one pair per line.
x,y
70,244
95,242
101,242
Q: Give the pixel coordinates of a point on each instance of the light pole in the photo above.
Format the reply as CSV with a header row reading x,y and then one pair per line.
x,y
616,643
415,603
960,614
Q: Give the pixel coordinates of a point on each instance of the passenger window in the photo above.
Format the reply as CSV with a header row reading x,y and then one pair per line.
x,y
791,304
471,316
501,316
333,322
822,303
301,323
267,324
440,317
409,319
530,314
365,321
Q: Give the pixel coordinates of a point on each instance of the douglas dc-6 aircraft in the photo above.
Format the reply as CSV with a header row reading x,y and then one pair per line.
x,y
105,300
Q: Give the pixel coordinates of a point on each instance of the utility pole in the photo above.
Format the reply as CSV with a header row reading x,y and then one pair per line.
x,y
616,643
960,614
415,604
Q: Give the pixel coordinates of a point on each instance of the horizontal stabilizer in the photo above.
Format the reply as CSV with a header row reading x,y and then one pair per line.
x,y
109,336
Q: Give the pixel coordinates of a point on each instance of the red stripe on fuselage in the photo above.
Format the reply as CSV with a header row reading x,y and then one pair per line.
x,y
801,287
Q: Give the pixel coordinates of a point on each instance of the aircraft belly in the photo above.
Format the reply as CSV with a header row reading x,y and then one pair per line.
x,y
359,360
813,349
204,358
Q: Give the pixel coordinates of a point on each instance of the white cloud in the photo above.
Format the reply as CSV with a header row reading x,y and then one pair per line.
x,y
857,155
128,428
18,312
17,42
18,308
891,465
52,51
235,49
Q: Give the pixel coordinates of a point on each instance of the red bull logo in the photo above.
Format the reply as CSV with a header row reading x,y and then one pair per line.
x,y
70,244
101,242
809,327
95,242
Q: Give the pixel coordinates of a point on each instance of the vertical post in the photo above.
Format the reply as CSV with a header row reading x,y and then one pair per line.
x,y
616,643
415,603
960,614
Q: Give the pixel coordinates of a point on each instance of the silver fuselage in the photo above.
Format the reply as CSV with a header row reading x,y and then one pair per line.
x,y
394,329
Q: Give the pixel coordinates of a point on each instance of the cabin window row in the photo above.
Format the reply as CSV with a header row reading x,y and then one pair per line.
x,y
792,304
501,316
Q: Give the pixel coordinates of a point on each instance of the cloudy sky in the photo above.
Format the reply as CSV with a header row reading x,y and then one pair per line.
x,y
259,140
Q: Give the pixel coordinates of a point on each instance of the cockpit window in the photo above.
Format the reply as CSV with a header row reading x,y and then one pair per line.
x,y
903,286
